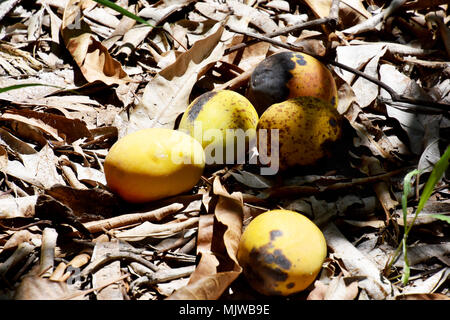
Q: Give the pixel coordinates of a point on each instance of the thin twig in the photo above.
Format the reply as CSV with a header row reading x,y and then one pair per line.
x,y
97,264
394,96
132,218
280,32
334,11
83,293
310,190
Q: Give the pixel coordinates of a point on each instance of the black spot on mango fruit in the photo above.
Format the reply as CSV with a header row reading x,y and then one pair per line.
x,y
281,252
287,75
215,119
305,126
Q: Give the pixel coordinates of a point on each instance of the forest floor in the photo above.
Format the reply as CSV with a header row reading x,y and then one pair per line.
x,y
75,76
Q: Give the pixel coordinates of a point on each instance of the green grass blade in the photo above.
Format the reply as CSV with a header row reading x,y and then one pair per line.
x,y
24,85
406,269
442,217
123,11
406,191
435,176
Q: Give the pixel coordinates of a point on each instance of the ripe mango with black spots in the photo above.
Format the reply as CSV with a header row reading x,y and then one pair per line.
x,y
281,252
224,122
306,128
152,164
287,75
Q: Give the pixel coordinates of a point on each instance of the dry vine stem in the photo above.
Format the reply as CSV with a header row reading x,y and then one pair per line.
x,y
97,264
132,218
310,190
394,95
49,236
22,251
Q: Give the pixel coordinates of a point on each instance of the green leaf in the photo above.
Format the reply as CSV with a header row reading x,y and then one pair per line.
x,y
24,85
442,217
407,190
406,269
123,11
435,176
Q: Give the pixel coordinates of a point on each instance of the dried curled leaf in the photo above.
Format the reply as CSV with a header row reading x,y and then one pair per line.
x,y
91,56
217,268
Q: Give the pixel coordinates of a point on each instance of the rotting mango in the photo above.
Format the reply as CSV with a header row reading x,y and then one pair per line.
x,y
154,163
307,125
281,252
224,122
287,75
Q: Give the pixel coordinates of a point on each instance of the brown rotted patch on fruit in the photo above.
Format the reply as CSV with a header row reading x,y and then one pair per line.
x,y
263,256
268,83
262,267
198,105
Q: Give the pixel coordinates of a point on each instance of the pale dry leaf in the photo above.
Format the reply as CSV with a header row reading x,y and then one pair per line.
x,y
258,18
412,123
421,253
358,264
366,91
37,288
422,296
38,169
90,175
426,285
167,94
321,8
22,207
18,238
107,272
338,289
356,56
148,229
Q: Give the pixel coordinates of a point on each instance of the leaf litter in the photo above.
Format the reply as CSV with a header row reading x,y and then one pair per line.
x,y
64,235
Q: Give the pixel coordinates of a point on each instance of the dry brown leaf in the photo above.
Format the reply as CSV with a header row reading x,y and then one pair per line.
x,y
219,267
322,7
87,204
68,129
91,56
167,94
15,144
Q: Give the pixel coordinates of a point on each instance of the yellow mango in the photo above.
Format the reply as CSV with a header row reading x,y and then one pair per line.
x,y
152,164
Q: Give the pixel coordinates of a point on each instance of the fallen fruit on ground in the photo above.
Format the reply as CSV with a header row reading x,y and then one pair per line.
x,y
281,252
287,75
306,126
152,164
224,122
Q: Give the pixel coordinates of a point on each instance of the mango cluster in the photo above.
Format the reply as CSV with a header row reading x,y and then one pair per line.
x,y
292,93
281,251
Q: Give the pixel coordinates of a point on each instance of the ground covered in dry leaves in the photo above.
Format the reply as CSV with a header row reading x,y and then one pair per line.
x,y
63,235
